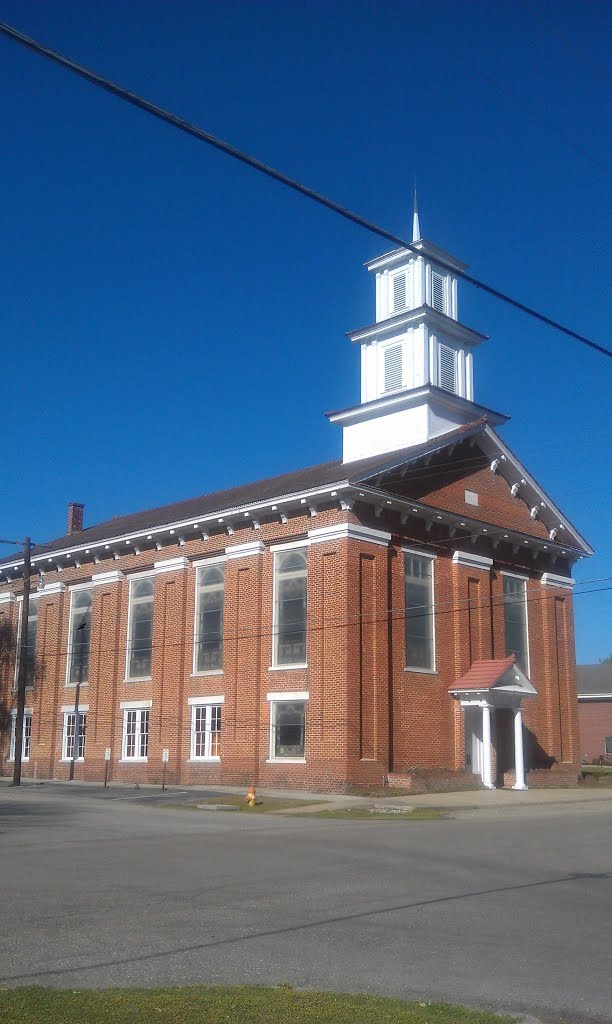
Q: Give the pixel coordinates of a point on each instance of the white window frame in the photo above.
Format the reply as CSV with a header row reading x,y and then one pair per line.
x,y
33,603
274,699
522,579
73,592
139,708
426,555
207,704
83,712
199,566
280,550
128,646
27,717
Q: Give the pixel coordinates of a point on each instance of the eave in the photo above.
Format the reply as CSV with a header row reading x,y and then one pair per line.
x,y
410,317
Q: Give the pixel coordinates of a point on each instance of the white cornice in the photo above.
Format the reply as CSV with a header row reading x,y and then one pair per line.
x,y
247,550
550,580
348,531
100,579
171,565
7,598
52,588
412,317
472,560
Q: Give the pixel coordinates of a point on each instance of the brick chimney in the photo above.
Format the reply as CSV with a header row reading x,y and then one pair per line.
x,y
75,517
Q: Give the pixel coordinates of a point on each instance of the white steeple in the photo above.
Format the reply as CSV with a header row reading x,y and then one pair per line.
x,y
416,358
416,228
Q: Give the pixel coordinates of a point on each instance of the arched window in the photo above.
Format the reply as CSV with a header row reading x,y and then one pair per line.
x,y
290,587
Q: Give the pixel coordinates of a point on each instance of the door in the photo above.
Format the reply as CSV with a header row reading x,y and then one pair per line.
x,y
473,740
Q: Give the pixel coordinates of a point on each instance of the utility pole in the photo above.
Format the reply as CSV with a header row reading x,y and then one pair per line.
x,y
77,696
22,676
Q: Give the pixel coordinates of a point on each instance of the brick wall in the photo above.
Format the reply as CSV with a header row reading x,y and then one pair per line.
x,y
595,719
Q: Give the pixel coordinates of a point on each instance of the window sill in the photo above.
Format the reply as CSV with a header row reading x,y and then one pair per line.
x,y
421,671
204,760
208,672
73,686
139,679
133,760
286,760
68,760
286,668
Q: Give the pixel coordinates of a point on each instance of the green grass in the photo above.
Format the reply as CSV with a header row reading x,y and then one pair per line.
x,y
238,803
200,1005
356,813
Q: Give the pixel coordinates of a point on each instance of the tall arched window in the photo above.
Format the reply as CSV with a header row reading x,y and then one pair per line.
x,y
290,588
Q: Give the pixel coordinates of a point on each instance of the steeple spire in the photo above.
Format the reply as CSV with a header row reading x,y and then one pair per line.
x,y
416,230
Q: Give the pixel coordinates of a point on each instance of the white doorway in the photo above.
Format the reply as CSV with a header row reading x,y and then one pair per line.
x,y
473,741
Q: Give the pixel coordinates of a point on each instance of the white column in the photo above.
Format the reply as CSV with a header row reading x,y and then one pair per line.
x,y
519,764
486,747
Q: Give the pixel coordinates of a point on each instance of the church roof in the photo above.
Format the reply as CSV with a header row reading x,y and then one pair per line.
x,y
502,673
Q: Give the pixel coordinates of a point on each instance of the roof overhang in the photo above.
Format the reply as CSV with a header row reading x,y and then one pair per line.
x,y
442,399
421,247
414,317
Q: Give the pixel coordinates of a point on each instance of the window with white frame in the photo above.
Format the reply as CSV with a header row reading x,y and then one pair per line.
x,y
140,628
290,595
135,734
438,292
79,637
418,589
608,745
393,363
206,731
27,736
447,368
208,655
68,736
399,292
515,620
287,730
30,643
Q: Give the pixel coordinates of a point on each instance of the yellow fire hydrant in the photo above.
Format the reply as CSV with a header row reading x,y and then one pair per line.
x,y
251,797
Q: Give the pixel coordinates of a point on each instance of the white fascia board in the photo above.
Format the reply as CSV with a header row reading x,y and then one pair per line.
x,y
550,580
52,588
247,550
210,517
349,531
472,560
197,701
480,526
523,473
100,579
287,695
415,317
171,565
419,249
133,705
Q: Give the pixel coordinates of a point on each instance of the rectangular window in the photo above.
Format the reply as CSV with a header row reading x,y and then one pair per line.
x,y
27,736
135,734
30,642
69,736
399,293
608,745
79,636
206,732
209,619
393,367
437,292
290,590
418,585
140,628
515,620
287,730
447,367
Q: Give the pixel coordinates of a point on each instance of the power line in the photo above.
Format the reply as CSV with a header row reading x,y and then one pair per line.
x,y
258,165
186,638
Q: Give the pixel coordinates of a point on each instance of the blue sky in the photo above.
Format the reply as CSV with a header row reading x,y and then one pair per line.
x,y
172,323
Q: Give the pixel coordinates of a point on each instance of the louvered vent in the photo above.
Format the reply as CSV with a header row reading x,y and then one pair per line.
x,y
437,293
399,293
447,368
393,368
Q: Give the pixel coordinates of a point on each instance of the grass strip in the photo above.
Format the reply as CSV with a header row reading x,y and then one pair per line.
x,y
220,1005
364,813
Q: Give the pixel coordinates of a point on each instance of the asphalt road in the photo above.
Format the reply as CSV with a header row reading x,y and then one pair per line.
x,y
512,913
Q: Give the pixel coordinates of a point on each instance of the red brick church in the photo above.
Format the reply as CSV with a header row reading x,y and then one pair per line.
x,y
408,605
